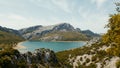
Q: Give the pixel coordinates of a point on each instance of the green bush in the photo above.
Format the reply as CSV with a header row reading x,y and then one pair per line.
x,y
118,64
87,60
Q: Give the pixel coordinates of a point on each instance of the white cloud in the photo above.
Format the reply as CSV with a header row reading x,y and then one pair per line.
x,y
16,17
53,4
36,0
98,2
43,4
12,17
63,4
1,15
92,20
83,12
13,21
16,21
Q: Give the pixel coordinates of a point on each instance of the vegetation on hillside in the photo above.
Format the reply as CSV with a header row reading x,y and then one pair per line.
x,y
89,50
113,35
8,40
14,59
66,36
111,40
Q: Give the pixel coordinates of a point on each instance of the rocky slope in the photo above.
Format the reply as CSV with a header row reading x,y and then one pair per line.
x,y
101,53
93,55
57,32
40,58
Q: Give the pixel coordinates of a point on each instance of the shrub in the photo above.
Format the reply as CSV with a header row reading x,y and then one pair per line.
x,y
87,60
118,64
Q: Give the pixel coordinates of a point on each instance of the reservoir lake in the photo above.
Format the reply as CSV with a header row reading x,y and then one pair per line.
x,y
55,46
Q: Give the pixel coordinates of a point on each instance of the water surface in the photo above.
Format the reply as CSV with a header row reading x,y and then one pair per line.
x,y
55,46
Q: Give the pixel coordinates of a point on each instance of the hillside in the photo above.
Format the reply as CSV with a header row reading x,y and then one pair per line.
x,y
64,36
90,34
40,58
104,53
9,37
8,30
4,36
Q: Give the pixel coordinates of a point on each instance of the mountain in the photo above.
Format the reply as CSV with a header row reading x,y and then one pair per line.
x,y
8,30
9,37
90,34
7,33
59,32
39,31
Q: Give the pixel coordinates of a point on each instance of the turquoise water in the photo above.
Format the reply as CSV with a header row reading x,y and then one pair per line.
x,y
55,46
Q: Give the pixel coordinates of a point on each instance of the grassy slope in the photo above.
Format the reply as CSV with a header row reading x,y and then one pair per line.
x,y
67,36
8,39
104,57
64,55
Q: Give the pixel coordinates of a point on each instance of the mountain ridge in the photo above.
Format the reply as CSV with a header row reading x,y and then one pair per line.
x,y
38,32
57,32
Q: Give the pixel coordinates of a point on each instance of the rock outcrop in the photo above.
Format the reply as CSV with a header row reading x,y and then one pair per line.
x,y
40,58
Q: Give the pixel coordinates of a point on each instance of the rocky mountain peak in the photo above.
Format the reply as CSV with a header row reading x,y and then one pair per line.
x,y
64,27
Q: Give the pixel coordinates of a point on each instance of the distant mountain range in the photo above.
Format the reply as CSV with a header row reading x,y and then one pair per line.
x,y
59,32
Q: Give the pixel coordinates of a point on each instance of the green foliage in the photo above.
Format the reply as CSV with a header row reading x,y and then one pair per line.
x,y
87,60
94,58
7,59
64,55
22,65
92,65
4,36
113,35
118,64
34,66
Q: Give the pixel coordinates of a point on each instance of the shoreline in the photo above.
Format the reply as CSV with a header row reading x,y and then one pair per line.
x,y
68,41
19,46
61,41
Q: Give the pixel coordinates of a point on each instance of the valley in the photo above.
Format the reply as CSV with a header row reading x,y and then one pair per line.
x,y
59,34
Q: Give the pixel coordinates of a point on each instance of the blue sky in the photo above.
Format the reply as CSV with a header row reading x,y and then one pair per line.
x,y
84,14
